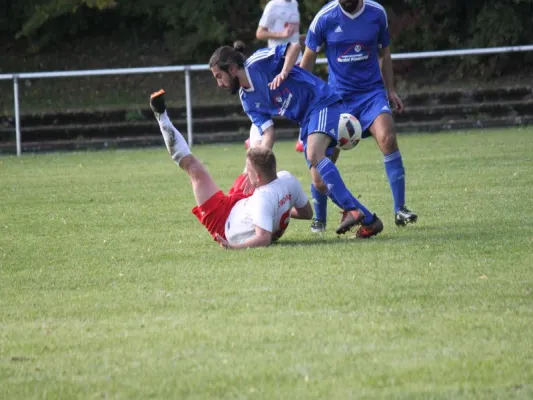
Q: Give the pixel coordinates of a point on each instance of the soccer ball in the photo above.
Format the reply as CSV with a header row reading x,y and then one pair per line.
x,y
350,132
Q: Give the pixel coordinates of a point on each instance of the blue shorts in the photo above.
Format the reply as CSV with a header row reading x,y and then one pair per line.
x,y
325,121
366,107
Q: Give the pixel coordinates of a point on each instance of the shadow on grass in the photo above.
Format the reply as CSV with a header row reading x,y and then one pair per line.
x,y
405,235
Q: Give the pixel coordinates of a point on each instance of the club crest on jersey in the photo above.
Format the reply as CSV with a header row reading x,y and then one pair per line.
x,y
282,100
356,52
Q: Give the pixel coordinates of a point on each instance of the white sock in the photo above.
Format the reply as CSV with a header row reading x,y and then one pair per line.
x,y
176,144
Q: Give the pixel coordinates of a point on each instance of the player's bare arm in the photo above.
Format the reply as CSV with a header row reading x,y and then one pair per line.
x,y
388,78
305,212
263,33
308,60
291,56
269,137
262,238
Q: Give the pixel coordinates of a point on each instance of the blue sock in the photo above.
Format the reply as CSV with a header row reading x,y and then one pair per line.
x,y
337,189
320,204
396,175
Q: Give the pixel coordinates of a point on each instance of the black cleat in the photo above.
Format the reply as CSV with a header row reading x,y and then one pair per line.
x,y
318,226
404,216
157,103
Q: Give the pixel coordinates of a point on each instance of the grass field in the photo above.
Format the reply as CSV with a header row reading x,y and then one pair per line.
x,y
109,287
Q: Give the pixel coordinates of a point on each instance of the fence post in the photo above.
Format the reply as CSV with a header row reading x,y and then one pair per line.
x,y
188,104
17,114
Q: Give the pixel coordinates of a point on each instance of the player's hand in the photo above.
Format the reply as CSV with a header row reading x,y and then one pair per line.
x,y
278,80
288,31
223,242
396,102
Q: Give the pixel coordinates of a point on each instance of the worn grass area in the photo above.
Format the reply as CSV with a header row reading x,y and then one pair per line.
x,y
109,288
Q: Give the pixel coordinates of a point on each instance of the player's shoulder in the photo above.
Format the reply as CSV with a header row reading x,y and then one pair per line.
x,y
259,56
288,178
274,6
328,7
327,12
269,5
273,3
375,7
284,174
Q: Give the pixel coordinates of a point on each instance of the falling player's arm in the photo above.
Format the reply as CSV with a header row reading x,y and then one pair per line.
x,y
262,238
305,212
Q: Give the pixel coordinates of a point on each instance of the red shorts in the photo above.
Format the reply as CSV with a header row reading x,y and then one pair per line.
x,y
215,211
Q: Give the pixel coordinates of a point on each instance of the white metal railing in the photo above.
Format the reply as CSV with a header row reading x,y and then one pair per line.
x,y
204,67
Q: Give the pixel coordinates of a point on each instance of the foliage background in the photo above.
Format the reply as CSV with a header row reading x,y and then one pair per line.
x,y
191,29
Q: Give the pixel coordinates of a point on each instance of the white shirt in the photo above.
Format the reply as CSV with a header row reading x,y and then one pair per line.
x,y
269,208
277,15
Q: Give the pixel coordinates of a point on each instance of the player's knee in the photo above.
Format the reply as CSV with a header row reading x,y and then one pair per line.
x,y
387,141
312,160
314,157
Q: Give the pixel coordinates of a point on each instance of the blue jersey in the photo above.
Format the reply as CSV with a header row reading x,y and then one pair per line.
x,y
351,45
298,96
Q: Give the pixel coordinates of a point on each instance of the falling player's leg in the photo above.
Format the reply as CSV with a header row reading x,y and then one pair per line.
x,y
202,183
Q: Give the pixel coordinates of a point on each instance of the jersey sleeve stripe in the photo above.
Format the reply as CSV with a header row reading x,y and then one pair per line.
x,y
324,10
260,56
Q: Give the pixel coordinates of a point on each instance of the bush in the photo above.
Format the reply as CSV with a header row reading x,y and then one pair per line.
x,y
191,29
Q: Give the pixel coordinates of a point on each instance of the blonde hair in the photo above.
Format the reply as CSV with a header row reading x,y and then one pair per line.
x,y
263,160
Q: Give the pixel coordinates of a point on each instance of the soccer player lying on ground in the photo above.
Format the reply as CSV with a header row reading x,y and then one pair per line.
x,y
270,84
237,220
355,33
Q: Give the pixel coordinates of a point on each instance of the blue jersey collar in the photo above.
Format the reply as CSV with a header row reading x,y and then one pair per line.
x,y
251,88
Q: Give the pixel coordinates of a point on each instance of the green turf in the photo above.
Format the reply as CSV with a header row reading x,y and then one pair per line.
x,y
109,287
